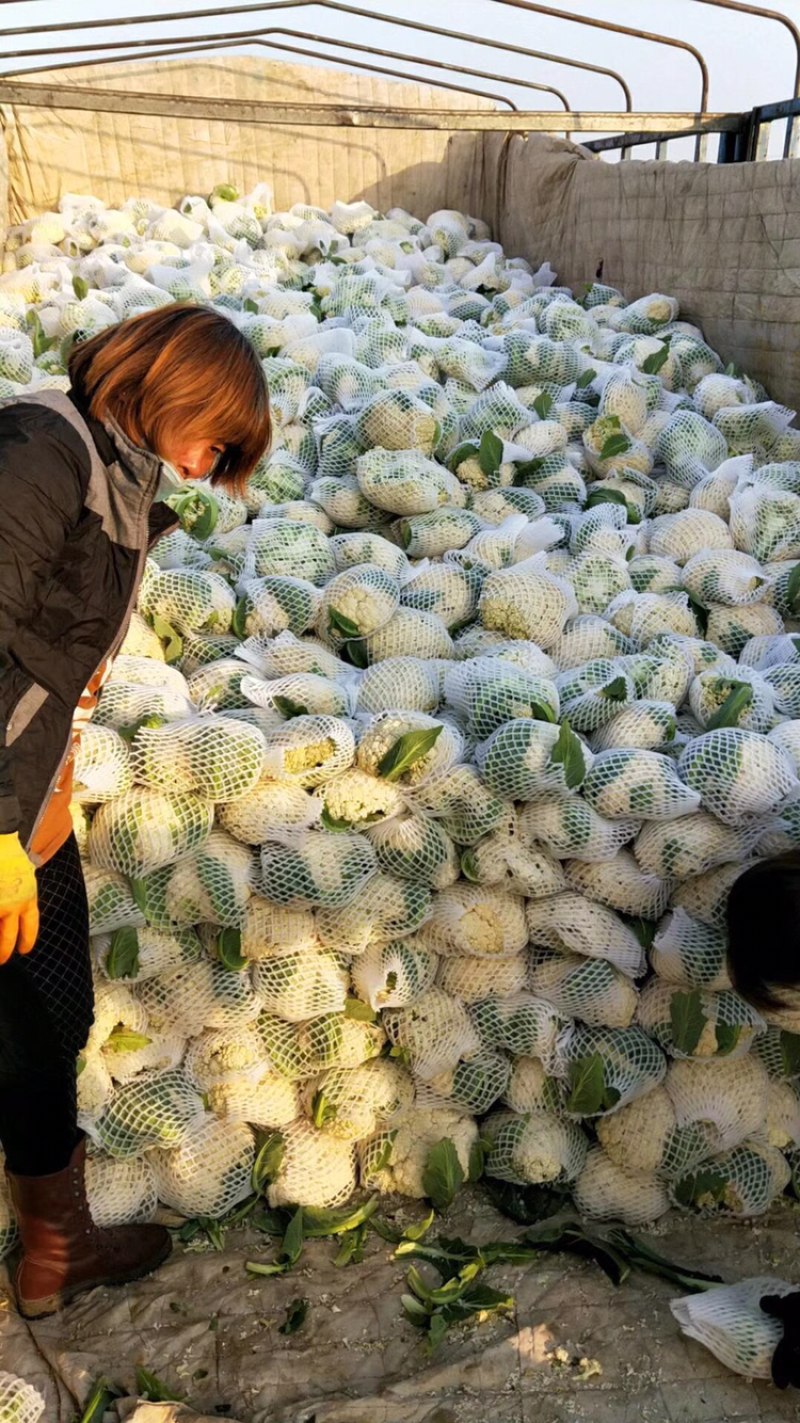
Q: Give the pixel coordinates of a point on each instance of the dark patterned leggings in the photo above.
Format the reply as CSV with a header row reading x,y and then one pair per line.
x,y
46,1011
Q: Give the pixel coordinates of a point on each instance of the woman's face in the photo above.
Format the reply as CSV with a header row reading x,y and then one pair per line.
x,y
193,459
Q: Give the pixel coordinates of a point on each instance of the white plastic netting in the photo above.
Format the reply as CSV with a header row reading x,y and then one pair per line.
x,y
485,681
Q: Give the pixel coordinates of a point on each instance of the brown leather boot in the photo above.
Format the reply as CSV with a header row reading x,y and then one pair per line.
x,y
63,1251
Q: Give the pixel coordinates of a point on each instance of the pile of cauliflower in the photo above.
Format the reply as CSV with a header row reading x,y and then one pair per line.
x,y
411,806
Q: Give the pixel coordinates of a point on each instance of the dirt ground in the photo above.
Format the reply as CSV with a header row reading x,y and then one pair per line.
x,y
210,1331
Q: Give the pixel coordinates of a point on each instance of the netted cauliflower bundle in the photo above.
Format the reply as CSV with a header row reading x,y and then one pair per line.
x,y
606,1191
534,1148
397,1161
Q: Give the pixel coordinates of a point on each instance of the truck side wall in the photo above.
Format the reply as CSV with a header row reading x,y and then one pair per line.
x,y
114,156
724,240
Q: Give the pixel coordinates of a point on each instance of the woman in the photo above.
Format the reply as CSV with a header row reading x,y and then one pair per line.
x,y
174,394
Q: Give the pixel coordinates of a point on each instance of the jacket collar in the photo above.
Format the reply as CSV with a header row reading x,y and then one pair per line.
x,y
114,446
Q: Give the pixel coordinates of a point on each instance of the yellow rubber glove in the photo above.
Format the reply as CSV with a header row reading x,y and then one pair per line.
x,y
19,913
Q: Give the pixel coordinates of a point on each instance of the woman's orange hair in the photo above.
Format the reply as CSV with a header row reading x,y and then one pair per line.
x,y
181,369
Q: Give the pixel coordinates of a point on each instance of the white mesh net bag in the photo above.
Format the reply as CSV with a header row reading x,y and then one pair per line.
x,y
269,808
432,1034
356,603
645,1137
622,885
8,1225
705,897
477,921
622,784
531,1089
223,1055
190,600
593,694
664,673
111,902
697,1022
101,766
214,756
569,923
730,1322
410,632
268,930
120,1192
301,1050
503,859
573,830
406,482
765,522
692,845
330,870
144,829
608,1067
729,578
685,951
212,884
742,1182
300,986
286,655
606,1191
350,549
732,628
209,1172
585,638
124,705
394,908
525,759
777,1050
201,995
276,604
729,1095
472,1086
408,748
351,1103
646,726
520,1023
399,684
416,848
535,1148
473,979
309,750
490,692
396,974
590,989
354,800
289,550
396,1160
316,1170
135,954
158,1109
692,531
20,1402
467,808
738,774
782,1128
527,602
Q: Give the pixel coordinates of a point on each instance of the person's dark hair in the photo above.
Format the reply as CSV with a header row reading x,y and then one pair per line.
x,y
184,369
763,920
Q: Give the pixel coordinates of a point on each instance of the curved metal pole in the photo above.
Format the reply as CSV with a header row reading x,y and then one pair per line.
x,y
205,43
535,7
758,12
267,44
268,5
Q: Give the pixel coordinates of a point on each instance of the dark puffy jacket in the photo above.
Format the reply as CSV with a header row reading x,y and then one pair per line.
x,y
76,520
